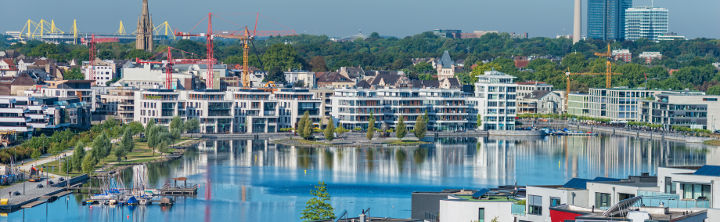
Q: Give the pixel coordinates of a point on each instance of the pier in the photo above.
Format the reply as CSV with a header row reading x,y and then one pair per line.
x,y
29,194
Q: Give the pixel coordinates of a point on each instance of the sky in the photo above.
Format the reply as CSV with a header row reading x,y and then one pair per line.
x,y
341,18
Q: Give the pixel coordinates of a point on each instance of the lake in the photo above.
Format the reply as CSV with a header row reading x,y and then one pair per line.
x,y
258,181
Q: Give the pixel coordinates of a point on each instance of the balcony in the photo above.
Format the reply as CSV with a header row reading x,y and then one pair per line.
x,y
654,199
518,210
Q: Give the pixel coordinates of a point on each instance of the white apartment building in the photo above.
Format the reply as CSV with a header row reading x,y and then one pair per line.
x,y
618,104
103,71
306,78
526,88
24,114
234,111
447,109
686,109
496,93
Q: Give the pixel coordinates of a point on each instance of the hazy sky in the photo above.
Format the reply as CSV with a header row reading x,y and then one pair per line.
x,y
693,18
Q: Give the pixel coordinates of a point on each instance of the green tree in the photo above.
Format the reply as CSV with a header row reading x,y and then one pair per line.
x,y
88,164
148,128
420,127
135,128
308,129
330,130
371,127
281,56
176,127
318,64
163,147
400,129
192,125
479,121
127,142
119,153
36,154
78,155
713,90
101,146
301,125
73,74
318,207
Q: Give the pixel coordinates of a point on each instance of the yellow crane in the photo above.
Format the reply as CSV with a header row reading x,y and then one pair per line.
x,y
608,66
608,74
245,38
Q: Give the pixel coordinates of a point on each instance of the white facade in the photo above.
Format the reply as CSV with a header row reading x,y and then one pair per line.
x,y
307,78
455,209
496,100
104,71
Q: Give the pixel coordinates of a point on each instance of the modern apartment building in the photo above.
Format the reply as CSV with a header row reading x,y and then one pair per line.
x,y
495,94
103,71
685,109
26,114
447,109
606,19
118,103
646,23
618,104
234,111
526,88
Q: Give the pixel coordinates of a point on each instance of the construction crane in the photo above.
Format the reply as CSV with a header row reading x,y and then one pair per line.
x,y
567,80
91,43
247,38
608,66
170,62
210,59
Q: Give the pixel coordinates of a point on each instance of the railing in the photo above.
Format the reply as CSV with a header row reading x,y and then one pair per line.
x,y
655,199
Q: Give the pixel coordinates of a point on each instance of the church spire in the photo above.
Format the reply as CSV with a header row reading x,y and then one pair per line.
x,y
144,37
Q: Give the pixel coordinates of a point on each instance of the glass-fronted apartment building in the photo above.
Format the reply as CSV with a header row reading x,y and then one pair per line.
x,y
447,109
685,109
646,23
233,111
606,19
495,95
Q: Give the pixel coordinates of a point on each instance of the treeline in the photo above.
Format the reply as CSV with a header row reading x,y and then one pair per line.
x,y
693,58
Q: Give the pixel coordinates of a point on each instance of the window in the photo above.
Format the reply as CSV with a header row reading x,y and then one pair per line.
x,y
554,201
670,186
481,214
602,200
696,191
535,205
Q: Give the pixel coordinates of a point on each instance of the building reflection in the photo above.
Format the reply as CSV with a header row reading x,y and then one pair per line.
x,y
451,162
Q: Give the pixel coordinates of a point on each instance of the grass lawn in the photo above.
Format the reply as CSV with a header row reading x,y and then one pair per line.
x,y
712,142
405,142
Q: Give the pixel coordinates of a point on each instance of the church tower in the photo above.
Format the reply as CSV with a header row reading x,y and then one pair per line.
x,y
144,38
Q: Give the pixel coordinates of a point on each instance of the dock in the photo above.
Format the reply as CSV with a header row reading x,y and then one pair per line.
x,y
30,194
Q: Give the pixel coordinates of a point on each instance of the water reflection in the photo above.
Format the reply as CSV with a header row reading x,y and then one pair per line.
x,y
258,181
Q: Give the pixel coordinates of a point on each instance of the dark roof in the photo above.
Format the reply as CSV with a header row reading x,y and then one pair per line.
x,y
581,184
445,60
454,83
424,83
354,72
390,79
23,79
330,77
708,170
537,94
363,84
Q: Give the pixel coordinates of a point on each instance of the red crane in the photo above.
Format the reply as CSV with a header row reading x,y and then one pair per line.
x,y
210,54
246,36
170,62
91,43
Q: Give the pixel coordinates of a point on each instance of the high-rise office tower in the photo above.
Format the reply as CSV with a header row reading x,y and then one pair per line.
x,y
645,23
606,19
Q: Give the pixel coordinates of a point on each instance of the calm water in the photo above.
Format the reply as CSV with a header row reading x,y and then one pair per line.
x,y
255,181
